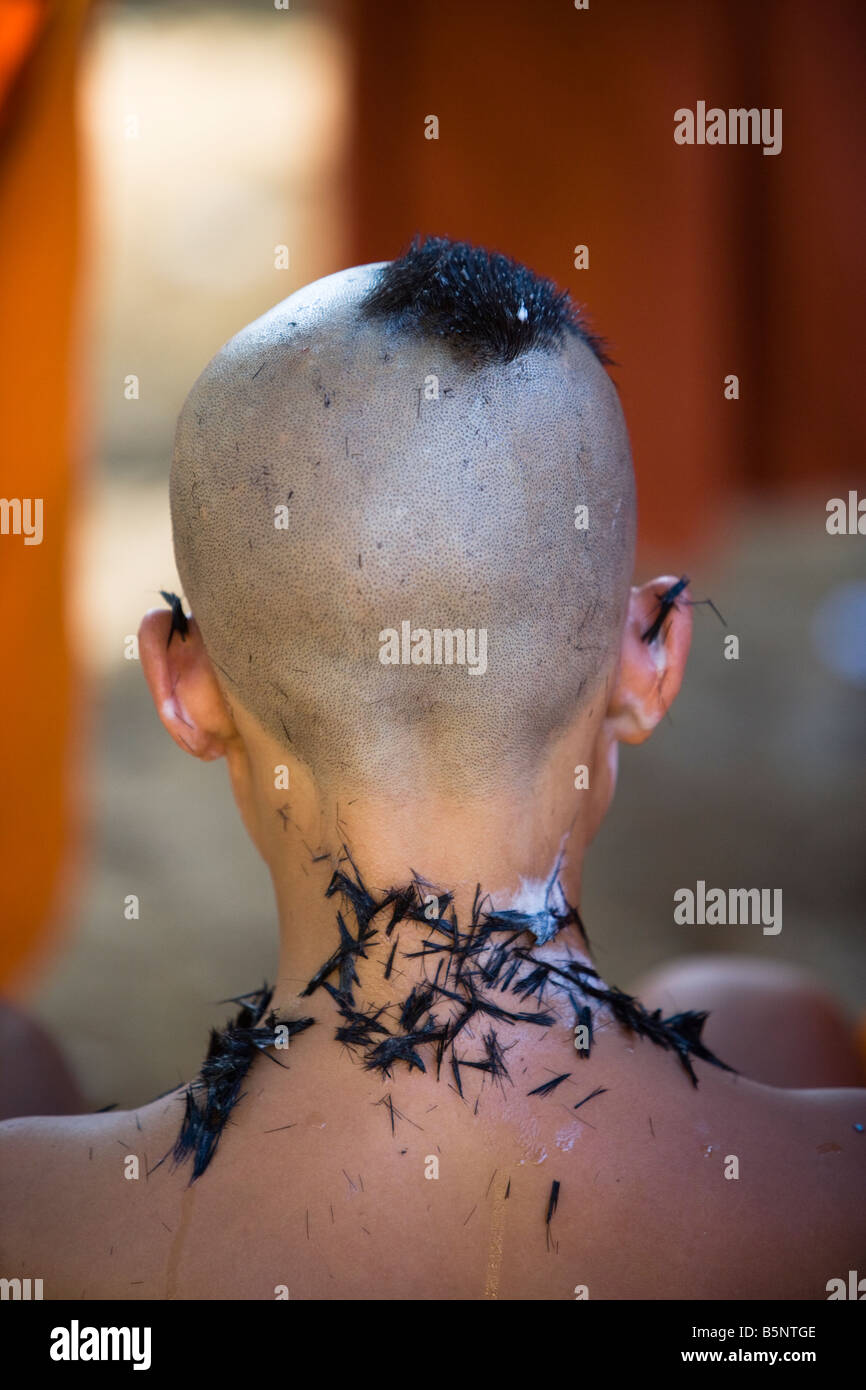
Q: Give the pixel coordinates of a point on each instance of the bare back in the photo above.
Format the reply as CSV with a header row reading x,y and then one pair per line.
x,y
329,1184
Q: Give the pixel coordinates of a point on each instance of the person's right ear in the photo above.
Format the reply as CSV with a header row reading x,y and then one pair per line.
x,y
650,673
184,687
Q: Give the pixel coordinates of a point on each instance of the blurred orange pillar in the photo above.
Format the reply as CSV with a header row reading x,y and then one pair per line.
x,y
38,243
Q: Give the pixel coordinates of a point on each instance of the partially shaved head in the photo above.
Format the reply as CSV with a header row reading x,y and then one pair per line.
x,y
408,444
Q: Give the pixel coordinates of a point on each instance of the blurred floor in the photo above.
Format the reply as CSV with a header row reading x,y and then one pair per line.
x,y
756,780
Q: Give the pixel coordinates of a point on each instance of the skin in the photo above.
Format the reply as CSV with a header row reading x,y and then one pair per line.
x,y
456,512
644,1208
311,1191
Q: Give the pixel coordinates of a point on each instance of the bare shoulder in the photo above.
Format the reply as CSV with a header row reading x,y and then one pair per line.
x,y
833,1125
47,1161
36,1149
801,1174
73,1184
813,1139
40,1150
764,1185
825,1180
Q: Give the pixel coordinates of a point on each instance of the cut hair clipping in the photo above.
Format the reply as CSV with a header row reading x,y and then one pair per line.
x,y
667,601
179,620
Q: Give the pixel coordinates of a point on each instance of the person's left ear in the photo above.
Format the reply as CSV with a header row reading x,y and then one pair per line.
x,y
183,685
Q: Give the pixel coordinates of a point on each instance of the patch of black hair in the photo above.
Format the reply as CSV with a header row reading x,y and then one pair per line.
x,y
487,307
680,1033
547,1087
583,1018
552,1201
552,1204
217,1089
667,601
599,1091
474,958
179,620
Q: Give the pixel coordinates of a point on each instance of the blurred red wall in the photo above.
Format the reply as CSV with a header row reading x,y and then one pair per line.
x,y
556,128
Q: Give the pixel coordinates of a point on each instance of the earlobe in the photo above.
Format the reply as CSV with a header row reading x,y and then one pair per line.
x,y
184,688
652,660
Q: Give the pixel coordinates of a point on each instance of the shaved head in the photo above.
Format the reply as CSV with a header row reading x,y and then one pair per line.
x,y
394,452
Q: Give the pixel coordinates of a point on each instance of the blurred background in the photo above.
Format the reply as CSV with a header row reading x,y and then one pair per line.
x,y
154,157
